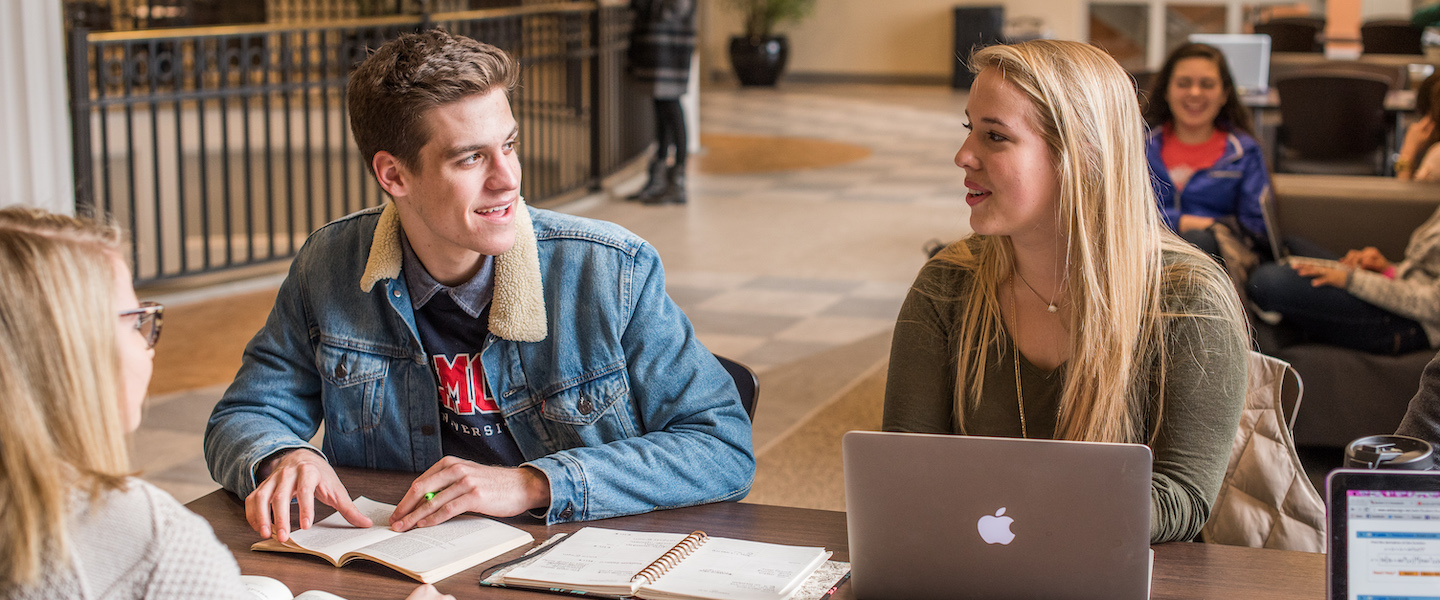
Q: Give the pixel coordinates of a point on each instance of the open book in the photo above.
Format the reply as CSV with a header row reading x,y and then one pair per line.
x,y
427,554
668,566
266,588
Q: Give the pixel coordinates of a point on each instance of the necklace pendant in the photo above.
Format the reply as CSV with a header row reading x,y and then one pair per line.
x,y
1052,308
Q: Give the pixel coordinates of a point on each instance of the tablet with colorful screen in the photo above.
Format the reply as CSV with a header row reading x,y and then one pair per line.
x,y
1384,535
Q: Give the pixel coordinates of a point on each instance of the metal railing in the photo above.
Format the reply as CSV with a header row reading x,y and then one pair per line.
x,y
222,147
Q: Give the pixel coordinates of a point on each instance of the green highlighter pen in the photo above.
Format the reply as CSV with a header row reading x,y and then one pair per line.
x,y
429,496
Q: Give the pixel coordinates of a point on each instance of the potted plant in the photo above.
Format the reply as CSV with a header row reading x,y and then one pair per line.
x,y
759,55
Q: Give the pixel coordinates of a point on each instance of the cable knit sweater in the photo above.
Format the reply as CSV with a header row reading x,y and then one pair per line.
x,y
1415,291
139,543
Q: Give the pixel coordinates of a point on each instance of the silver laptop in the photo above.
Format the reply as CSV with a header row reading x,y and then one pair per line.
x,y
1247,54
948,516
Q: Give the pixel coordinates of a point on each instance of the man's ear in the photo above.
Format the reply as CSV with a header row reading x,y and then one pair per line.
x,y
391,174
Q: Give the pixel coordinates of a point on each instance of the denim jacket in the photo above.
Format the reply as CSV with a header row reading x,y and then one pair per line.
x,y
1232,187
597,372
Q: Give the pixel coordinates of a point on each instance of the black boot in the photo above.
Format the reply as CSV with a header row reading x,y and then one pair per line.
x,y
655,185
674,192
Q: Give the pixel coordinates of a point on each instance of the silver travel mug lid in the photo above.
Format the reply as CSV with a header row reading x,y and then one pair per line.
x,y
1389,452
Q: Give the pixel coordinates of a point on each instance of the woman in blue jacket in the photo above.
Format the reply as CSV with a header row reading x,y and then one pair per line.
x,y
1208,169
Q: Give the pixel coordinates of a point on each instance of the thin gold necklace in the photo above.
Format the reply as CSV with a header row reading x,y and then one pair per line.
x,y
1015,349
1049,304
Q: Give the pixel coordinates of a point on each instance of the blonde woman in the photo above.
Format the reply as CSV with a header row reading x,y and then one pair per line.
x,y
1072,312
75,362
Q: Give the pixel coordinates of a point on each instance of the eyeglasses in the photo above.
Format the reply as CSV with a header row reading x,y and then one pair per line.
x,y
147,321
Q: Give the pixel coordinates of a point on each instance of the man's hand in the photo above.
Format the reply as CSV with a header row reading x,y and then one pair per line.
x,y
1321,276
305,476
1369,259
462,486
1193,222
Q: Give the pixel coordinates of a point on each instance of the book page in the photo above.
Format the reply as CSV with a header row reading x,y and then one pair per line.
x,y
333,536
318,595
730,569
595,559
464,539
265,588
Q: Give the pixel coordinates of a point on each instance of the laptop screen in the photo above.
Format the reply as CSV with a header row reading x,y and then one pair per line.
x,y
1248,56
1393,543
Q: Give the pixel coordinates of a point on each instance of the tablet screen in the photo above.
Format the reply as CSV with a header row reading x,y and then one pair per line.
x,y
1393,544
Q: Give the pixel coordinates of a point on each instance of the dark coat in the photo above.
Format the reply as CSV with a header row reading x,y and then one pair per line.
x,y
661,44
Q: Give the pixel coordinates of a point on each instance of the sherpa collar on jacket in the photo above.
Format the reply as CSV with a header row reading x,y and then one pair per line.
x,y
517,312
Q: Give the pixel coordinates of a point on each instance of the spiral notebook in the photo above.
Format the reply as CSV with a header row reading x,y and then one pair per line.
x,y
667,566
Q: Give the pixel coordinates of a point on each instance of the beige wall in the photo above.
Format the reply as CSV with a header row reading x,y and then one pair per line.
x,y
880,37
905,38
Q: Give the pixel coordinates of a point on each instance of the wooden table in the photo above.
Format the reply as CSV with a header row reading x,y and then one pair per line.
x,y
1199,571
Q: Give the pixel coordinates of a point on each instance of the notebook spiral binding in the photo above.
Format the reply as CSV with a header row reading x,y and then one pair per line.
x,y
671,558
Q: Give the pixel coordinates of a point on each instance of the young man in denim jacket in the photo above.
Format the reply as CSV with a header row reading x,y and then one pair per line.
x,y
522,359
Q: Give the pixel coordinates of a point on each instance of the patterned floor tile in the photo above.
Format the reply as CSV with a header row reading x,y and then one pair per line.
x,y
834,331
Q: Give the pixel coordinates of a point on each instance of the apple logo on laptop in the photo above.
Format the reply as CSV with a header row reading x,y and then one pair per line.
x,y
996,529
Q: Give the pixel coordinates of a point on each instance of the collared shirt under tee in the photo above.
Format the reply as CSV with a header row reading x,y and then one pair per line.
x,y
453,323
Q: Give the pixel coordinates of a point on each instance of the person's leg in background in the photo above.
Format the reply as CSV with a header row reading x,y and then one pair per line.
x,y
658,169
1329,315
670,115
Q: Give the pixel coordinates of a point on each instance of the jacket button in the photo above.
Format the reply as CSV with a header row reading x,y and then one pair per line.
x,y
567,513
397,293
340,370
427,430
586,406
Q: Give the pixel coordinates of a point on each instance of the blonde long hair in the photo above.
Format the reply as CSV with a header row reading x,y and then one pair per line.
x,y
60,428
1085,109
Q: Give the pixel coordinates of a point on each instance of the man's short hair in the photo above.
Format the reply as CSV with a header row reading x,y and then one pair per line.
x,y
390,92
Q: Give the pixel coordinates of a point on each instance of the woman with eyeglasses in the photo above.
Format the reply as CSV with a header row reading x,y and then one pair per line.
x,y
76,354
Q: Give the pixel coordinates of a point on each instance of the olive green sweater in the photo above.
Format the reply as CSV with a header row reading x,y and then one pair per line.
x,y
1204,392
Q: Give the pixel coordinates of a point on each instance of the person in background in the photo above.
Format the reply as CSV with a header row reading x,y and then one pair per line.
x,y
1208,169
74,367
661,44
1422,418
1072,312
1366,302
1419,160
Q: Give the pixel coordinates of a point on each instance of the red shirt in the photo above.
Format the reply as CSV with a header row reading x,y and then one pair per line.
x,y
1183,160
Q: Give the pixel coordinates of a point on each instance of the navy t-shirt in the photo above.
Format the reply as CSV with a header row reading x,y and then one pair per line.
x,y
453,324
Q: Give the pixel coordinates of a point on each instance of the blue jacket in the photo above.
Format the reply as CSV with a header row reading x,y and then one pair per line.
x,y
1232,187
598,373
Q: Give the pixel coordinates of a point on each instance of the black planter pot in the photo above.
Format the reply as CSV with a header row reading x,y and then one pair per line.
x,y
758,62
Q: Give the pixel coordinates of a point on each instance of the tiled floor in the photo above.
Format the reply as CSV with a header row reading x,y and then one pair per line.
x,y
772,268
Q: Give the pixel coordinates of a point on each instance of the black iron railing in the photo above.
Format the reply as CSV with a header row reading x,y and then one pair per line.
x,y
222,147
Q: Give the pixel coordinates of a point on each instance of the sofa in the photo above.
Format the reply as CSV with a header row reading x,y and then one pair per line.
x,y
1349,394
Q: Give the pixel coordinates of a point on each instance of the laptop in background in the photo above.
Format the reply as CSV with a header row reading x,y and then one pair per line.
x,y
1247,54
1277,239
951,516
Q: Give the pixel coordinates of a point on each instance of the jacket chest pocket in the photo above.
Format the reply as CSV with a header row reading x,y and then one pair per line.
x,y
352,382
1225,174
589,412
